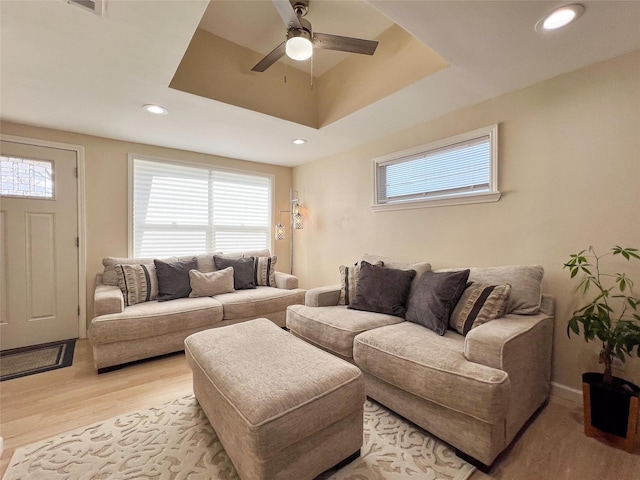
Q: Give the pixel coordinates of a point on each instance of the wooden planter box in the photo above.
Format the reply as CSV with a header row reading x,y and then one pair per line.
x,y
610,414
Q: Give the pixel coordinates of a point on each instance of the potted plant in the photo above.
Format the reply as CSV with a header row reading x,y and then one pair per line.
x,y
612,317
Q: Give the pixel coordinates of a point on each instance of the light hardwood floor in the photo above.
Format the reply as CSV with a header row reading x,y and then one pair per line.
x,y
33,408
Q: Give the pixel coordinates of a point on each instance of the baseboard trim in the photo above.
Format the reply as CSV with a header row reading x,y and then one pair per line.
x,y
567,393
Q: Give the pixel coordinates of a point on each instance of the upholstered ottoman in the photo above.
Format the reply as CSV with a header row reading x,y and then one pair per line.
x,y
282,408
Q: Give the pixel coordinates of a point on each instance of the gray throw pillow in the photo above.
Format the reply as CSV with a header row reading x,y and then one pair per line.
x,y
173,278
382,290
434,298
244,277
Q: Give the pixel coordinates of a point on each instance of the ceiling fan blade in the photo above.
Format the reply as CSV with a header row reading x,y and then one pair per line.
x,y
270,59
344,44
287,13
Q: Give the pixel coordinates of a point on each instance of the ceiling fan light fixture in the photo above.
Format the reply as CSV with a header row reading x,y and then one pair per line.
x,y
299,46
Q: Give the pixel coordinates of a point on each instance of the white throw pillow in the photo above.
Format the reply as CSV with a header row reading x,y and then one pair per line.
x,y
211,283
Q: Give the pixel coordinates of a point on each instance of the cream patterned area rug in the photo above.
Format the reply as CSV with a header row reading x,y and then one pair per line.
x,y
176,441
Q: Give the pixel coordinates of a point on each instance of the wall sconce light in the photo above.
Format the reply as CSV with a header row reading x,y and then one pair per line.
x,y
295,222
296,215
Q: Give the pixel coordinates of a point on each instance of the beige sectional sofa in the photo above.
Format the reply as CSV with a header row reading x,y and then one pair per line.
x,y
121,333
474,391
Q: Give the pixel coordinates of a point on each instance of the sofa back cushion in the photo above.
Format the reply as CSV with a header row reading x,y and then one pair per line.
x,y
525,281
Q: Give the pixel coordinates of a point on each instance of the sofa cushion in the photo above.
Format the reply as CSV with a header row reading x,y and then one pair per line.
x,y
151,319
435,297
525,280
243,271
433,367
211,283
479,303
138,283
382,290
265,271
173,277
334,328
257,302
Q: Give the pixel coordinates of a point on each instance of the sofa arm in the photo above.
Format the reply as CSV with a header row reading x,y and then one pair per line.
x,y
322,296
548,305
493,343
106,299
286,281
521,346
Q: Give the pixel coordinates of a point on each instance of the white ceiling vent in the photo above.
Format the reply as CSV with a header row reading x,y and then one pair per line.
x,y
95,6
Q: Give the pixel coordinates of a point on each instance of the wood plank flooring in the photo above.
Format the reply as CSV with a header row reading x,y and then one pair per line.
x,y
40,406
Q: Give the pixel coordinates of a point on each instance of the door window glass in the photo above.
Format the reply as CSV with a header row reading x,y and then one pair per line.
x,y
24,177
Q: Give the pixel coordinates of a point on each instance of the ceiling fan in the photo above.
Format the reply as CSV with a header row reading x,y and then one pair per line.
x,y
301,40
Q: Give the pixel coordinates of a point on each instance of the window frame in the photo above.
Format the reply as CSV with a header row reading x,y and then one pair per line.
x,y
131,194
457,198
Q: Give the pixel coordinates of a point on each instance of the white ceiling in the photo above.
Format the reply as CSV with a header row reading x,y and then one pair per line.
x,y
64,68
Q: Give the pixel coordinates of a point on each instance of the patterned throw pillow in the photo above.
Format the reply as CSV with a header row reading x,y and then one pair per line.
x,y
479,303
349,277
138,283
265,271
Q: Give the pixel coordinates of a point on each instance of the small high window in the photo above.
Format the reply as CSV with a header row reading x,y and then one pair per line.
x,y
26,178
455,170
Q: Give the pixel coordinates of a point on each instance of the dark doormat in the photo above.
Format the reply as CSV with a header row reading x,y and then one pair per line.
x,y
21,362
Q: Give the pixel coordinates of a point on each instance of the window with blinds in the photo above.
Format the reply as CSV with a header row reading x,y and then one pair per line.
x,y
460,169
180,209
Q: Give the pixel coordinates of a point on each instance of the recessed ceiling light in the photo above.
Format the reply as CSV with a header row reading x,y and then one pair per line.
x,y
299,141
155,109
560,17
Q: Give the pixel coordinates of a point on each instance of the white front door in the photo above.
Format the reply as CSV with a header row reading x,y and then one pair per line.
x,y
38,245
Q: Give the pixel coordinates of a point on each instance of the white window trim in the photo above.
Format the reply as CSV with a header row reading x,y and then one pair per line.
x,y
133,156
450,199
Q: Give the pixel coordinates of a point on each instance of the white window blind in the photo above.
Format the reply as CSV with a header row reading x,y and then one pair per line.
x,y
183,209
461,166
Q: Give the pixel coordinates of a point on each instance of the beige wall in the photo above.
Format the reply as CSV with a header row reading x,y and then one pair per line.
x,y
569,172
106,191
